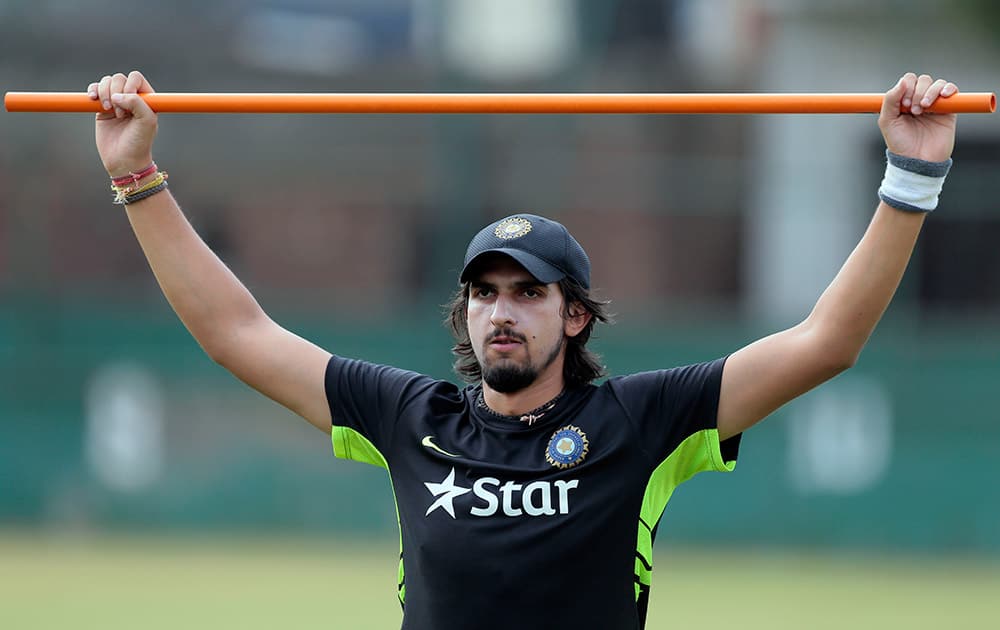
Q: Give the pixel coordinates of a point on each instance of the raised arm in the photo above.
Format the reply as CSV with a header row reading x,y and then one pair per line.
x,y
768,373
214,305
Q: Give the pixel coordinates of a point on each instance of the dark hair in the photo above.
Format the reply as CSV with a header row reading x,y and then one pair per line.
x,y
581,365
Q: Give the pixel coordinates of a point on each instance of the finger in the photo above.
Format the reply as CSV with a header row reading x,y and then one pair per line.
x,y
911,82
117,85
892,102
132,83
104,91
92,91
133,104
949,89
924,82
136,83
104,95
932,93
142,85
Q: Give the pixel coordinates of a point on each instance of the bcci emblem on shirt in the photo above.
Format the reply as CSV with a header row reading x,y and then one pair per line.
x,y
567,447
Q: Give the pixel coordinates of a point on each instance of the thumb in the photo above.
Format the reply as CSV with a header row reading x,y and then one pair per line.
x,y
893,101
134,104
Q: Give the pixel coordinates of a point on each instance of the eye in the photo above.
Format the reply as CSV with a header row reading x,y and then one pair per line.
x,y
482,292
532,293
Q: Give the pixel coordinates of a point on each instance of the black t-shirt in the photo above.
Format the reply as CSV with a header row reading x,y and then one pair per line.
x,y
509,525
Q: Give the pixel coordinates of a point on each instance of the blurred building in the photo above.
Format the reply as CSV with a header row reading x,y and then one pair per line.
x,y
705,231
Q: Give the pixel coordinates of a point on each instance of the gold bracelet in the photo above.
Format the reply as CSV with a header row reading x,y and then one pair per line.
x,y
124,192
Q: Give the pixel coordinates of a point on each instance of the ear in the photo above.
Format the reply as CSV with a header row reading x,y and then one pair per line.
x,y
577,320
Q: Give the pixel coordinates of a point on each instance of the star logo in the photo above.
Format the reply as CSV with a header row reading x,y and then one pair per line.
x,y
446,493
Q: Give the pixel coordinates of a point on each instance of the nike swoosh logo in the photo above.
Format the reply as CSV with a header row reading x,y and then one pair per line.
x,y
428,441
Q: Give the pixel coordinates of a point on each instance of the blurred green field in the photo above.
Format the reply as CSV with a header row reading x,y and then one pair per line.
x,y
248,583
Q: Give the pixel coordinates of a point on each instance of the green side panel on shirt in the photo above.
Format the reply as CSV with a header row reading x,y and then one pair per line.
x,y
349,444
699,452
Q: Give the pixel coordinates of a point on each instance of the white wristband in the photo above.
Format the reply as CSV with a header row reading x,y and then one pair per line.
x,y
912,185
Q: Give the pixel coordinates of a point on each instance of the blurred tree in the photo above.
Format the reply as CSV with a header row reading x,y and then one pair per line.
x,y
984,15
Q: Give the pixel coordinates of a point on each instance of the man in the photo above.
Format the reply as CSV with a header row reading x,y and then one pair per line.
x,y
530,498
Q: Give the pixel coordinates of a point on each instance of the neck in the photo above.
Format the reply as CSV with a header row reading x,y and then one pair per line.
x,y
544,389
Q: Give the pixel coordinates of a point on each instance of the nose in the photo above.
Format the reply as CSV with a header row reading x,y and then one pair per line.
x,y
503,313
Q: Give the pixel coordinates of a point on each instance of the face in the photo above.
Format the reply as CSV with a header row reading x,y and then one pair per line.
x,y
515,325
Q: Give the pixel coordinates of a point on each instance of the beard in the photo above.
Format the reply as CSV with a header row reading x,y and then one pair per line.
x,y
507,377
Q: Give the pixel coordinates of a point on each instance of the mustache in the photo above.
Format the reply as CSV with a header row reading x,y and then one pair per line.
x,y
506,332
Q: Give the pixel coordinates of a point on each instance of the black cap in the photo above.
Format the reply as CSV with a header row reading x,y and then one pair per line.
x,y
542,246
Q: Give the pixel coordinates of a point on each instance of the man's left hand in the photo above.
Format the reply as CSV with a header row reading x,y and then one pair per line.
x,y
908,128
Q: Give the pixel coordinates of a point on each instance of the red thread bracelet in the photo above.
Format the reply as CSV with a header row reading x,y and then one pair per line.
x,y
131,178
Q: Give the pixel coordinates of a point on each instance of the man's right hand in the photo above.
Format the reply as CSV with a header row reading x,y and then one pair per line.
x,y
126,127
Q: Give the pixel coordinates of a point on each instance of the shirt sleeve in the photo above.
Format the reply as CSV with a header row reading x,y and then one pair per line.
x,y
366,400
679,406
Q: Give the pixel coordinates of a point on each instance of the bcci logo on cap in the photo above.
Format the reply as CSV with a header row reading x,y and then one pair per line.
x,y
514,227
567,447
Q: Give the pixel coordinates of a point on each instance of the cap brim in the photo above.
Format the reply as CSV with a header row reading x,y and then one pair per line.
x,y
541,270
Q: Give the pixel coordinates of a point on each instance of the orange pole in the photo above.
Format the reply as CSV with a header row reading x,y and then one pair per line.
x,y
381,103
